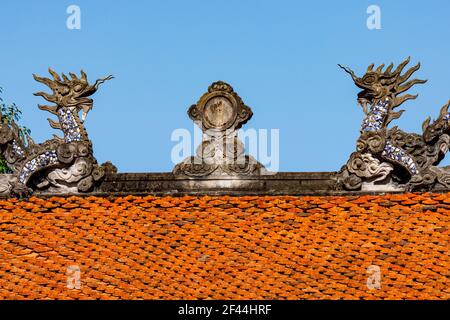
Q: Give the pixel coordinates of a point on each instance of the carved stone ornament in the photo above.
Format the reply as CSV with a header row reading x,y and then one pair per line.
x,y
389,159
219,113
62,164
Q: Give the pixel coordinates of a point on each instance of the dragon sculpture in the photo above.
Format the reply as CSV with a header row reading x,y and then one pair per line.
x,y
389,159
61,165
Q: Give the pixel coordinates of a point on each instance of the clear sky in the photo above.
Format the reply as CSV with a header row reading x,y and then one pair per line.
x,y
280,56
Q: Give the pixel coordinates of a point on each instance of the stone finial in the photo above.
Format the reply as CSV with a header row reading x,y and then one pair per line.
x,y
220,113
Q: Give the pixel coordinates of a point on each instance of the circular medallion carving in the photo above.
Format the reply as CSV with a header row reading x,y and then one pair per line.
x,y
219,113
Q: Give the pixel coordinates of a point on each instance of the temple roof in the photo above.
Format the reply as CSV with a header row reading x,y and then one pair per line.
x,y
226,247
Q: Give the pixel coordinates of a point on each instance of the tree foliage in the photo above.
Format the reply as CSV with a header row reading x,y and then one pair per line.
x,y
10,113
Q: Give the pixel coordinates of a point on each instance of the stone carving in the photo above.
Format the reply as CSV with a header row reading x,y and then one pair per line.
x,y
219,113
60,164
389,158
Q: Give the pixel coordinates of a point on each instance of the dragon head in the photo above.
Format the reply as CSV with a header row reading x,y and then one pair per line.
x,y
378,84
69,93
439,126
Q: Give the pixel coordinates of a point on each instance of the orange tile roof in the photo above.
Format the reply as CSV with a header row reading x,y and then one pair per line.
x,y
224,247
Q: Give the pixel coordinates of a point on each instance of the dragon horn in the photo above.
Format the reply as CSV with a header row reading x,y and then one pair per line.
x,y
444,110
54,74
380,68
389,68
349,71
101,80
73,76
83,75
401,66
65,77
426,124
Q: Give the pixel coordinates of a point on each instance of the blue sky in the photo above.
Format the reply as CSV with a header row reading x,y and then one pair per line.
x,y
280,56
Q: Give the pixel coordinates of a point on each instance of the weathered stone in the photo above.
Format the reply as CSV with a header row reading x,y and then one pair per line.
x,y
59,165
388,159
219,113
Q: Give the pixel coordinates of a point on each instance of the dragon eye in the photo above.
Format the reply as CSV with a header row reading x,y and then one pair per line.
x,y
78,88
369,79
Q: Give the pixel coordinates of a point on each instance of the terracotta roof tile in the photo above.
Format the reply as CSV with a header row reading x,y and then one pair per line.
x,y
252,247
